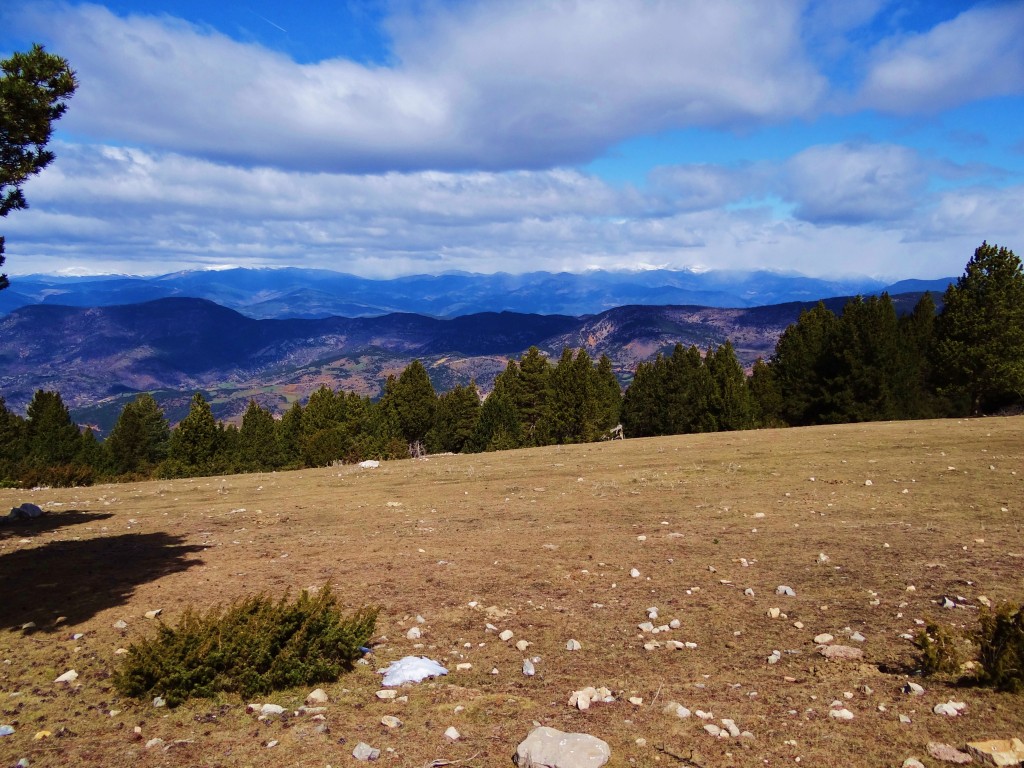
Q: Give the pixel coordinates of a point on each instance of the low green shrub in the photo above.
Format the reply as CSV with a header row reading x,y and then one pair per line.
x,y
1000,639
938,652
253,647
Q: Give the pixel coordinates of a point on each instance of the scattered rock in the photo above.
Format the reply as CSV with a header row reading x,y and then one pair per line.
x,y
823,638
822,558
905,719
464,666
271,710
634,573
154,613
68,677
949,708
6,730
317,697
912,762
947,603
452,734
528,669
997,751
774,613
841,713
154,743
573,645
364,752
713,729
947,754
857,637
386,694
369,464
120,624
840,652
913,689
390,721
506,635
551,748
583,698
522,645
782,589
678,710
414,633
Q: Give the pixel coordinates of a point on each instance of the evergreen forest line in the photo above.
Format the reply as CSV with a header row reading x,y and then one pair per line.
x,y
865,364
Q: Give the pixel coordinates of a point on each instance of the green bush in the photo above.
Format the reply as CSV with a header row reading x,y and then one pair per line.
x,y
1000,638
253,647
939,654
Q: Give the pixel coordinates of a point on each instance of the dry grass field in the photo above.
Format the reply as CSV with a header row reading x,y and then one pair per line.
x,y
542,542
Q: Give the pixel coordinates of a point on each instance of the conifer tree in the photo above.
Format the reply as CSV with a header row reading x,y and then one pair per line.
x,y
609,396
455,420
531,399
139,440
52,439
258,447
766,400
979,334
414,403
732,403
194,442
798,365
289,436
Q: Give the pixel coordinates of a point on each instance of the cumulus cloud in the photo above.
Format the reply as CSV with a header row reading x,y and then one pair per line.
x,y
487,85
977,55
855,184
125,209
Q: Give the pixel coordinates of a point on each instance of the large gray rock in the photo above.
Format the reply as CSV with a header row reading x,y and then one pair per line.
x,y
997,751
550,748
26,511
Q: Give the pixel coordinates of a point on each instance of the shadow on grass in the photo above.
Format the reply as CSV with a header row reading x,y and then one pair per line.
x,y
78,579
51,521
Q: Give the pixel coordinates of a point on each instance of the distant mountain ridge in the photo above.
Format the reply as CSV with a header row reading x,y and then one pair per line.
x,y
316,294
99,357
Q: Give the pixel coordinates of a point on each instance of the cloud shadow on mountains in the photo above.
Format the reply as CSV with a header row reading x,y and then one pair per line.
x,y
78,579
50,521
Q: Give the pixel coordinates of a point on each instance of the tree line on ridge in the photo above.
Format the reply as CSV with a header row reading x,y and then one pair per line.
x,y
866,364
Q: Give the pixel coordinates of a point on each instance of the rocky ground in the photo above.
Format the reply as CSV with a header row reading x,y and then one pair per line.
x,y
717,600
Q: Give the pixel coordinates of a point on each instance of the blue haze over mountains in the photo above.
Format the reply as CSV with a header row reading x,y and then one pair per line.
x,y
314,294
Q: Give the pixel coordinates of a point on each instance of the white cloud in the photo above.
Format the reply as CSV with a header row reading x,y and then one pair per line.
x,y
487,85
128,210
977,55
855,184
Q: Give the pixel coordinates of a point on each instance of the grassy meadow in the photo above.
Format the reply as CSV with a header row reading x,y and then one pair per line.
x,y
541,542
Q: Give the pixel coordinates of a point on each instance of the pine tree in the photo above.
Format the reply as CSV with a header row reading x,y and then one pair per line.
x,y
498,428
258,446
979,349
609,396
194,442
798,366
414,403
915,396
531,399
733,408
455,420
52,438
12,443
766,400
643,403
289,436
139,440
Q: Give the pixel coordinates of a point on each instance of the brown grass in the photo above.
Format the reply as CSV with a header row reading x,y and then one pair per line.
x,y
547,537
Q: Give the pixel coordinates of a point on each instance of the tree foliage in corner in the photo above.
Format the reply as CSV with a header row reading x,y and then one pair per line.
x,y
34,90
979,346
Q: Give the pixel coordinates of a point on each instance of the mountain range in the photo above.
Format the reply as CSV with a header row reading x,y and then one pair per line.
x,y
317,294
99,357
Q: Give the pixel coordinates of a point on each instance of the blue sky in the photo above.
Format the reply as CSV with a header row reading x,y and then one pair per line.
x,y
855,137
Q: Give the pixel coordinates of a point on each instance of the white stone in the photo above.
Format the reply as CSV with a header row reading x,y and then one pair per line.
x,y
840,714
857,637
713,729
551,748
731,727
823,638
386,694
782,589
774,613
506,635
949,708
364,752
154,743
522,645
154,613
464,666
390,721
452,734
913,689
573,645
271,710
317,697
528,669
68,677
634,573
912,762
